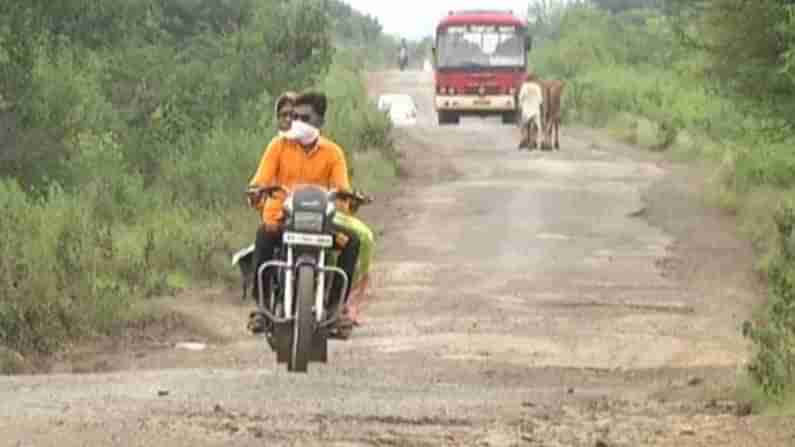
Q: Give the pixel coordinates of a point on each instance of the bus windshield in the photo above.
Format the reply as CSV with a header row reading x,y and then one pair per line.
x,y
478,46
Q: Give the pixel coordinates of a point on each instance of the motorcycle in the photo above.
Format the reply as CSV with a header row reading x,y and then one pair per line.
x,y
403,61
297,310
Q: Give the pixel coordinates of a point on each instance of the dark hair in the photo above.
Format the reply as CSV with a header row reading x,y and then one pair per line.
x,y
284,99
316,100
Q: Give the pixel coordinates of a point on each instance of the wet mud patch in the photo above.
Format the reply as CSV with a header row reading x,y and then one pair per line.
x,y
167,326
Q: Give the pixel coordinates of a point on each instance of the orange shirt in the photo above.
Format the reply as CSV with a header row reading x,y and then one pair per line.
x,y
287,164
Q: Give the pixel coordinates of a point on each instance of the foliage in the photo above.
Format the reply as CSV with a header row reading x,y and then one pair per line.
x,y
617,6
746,44
128,130
774,366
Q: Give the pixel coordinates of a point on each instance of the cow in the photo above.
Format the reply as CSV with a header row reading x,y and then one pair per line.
x,y
531,100
553,91
550,112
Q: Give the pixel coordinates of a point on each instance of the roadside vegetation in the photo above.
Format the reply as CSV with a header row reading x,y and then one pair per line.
x,y
710,81
128,131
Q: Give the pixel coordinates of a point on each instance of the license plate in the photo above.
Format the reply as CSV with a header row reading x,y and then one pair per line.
x,y
482,102
314,240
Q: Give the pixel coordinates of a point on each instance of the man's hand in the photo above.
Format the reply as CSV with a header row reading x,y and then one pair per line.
x,y
252,200
253,197
351,201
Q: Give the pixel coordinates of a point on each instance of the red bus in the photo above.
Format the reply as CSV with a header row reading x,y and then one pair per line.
x,y
480,63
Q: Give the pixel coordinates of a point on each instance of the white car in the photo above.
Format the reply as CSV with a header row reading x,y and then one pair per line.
x,y
399,107
403,114
384,101
427,65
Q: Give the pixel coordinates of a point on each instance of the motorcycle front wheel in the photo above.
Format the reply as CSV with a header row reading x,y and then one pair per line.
x,y
304,323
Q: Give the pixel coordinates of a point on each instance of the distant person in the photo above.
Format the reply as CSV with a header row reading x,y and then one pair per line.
x,y
403,55
531,103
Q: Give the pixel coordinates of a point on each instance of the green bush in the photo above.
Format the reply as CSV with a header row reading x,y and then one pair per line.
x,y
774,363
60,282
132,153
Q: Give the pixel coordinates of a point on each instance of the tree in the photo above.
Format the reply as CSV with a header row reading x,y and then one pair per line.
x,y
616,6
747,44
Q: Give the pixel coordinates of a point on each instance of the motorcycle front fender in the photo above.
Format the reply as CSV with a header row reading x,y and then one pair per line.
x,y
316,260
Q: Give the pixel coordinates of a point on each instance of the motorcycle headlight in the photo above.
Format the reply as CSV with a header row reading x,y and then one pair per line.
x,y
308,221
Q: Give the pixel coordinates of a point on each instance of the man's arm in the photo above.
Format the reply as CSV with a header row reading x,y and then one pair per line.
x,y
266,171
339,172
523,92
339,177
268,165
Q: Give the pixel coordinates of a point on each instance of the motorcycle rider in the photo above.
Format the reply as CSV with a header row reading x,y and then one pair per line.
x,y
299,155
360,283
403,56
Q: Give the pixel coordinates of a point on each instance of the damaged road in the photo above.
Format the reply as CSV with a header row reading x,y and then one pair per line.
x,y
575,298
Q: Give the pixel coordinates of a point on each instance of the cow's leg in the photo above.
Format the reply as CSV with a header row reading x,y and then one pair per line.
x,y
541,121
531,134
557,134
528,134
524,132
544,140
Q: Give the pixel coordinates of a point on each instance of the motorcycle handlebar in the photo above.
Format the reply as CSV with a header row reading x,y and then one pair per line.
x,y
265,190
357,198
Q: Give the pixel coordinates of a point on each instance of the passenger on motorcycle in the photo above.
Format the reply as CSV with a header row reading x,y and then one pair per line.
x,y
285,106
361,282
299,155
284,120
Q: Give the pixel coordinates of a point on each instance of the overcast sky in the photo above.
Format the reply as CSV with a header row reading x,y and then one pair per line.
x,y
415,19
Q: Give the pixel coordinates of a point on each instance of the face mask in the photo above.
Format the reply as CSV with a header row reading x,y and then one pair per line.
x,y
302,132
